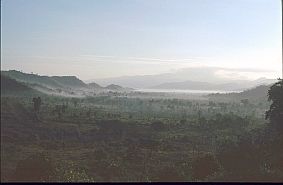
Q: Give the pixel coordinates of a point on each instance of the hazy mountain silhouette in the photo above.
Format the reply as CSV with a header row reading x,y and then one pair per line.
x,y
192,85
69,81
53,81
114,87
94,85
200,78
58,84
258,94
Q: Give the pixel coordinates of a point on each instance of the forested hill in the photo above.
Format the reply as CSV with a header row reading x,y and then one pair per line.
x,y
258,93
12,87
94,85
53,81
70,81
59,85
114,87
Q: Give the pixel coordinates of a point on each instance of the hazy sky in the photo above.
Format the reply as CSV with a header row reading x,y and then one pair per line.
x,y
109,38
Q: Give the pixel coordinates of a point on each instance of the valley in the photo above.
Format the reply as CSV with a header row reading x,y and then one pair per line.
x,y
131,136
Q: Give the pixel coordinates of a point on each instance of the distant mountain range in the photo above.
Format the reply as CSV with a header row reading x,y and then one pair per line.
x,y
15,83
111,87
233,86
198,78
60,85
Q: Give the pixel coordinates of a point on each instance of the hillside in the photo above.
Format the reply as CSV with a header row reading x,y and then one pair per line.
x,y
53,81
11,87
32,78
94,85
114,87
57,85
258,93
69,81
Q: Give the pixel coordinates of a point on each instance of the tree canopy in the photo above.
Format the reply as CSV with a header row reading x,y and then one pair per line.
x,y
275,113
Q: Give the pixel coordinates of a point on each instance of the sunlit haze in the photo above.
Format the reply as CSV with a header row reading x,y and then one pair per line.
x,y
96,39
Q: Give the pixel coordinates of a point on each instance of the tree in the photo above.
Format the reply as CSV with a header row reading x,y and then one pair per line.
x,y
275,113
36,104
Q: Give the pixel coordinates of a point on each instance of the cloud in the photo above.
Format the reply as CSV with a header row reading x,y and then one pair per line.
x,y
143,59
106,66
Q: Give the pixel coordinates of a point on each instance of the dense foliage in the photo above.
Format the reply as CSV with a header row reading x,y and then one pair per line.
x,y
118,138
275,113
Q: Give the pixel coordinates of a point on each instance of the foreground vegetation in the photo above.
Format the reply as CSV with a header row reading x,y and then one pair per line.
x,y
120,138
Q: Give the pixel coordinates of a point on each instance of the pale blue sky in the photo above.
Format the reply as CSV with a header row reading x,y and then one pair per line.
x,y
108,38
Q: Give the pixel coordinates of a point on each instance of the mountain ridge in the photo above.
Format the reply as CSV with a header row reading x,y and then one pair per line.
x,y
58,84
209,75
258,93
12,87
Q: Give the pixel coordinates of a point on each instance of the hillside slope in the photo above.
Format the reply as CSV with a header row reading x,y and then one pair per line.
x,y
64,85
31,78
258,93
53,81
69,81
11,87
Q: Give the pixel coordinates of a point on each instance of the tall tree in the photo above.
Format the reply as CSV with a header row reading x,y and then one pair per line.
x,y
275,113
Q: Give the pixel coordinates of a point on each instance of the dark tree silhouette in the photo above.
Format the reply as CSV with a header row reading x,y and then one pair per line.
x,y
275,113
36,106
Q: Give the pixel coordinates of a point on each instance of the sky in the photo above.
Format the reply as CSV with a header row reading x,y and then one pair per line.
x,y
95,39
